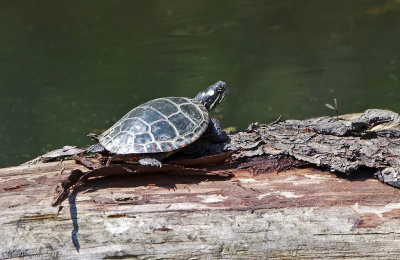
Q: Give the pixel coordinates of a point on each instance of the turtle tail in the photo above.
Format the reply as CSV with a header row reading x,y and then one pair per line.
x,y
95,148
94,137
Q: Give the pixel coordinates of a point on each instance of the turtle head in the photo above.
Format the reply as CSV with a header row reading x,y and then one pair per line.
x,y
213,95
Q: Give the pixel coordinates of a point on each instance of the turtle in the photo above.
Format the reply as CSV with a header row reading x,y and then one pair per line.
x,y
156,129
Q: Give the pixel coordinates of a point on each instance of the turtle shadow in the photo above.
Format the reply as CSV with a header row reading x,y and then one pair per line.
x,y
121,177
161,180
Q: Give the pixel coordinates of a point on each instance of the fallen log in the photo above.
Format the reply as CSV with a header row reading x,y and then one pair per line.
x,y
258,204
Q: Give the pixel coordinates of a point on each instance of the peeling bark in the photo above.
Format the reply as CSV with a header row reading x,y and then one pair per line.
x,y
370,139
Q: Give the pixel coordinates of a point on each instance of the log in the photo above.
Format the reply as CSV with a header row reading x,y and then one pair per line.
x,y
303,213
245,208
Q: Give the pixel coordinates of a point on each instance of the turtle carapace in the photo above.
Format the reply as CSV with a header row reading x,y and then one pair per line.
x,y
152,131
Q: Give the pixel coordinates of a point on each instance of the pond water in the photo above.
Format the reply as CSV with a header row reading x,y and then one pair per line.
x,y
68,68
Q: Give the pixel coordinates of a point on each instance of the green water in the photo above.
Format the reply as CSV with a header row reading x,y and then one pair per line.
x,y
68,68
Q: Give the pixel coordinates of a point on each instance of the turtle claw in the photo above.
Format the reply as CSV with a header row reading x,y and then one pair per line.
x,y
150,162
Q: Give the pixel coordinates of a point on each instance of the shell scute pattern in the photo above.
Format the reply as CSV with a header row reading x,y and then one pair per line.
x,y
133,125
160,125
139,148
147,114
191,111
164,106
168,146
163,131
178,100
143,138
181,123
151,148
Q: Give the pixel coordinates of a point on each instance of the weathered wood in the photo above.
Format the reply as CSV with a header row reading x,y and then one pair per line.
x,y
294,214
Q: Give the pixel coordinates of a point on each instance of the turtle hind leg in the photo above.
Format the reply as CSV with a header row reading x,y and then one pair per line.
x,y
148,161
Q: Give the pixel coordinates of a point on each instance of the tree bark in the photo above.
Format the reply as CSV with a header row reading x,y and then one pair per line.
x,y
246,208
370,139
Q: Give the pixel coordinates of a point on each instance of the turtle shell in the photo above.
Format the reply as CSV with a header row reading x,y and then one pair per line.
x,y
160,125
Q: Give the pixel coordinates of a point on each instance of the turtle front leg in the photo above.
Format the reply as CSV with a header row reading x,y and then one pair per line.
x,y
217,134
148,161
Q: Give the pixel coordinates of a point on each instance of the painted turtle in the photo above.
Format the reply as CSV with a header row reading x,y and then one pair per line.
x,y
157,128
